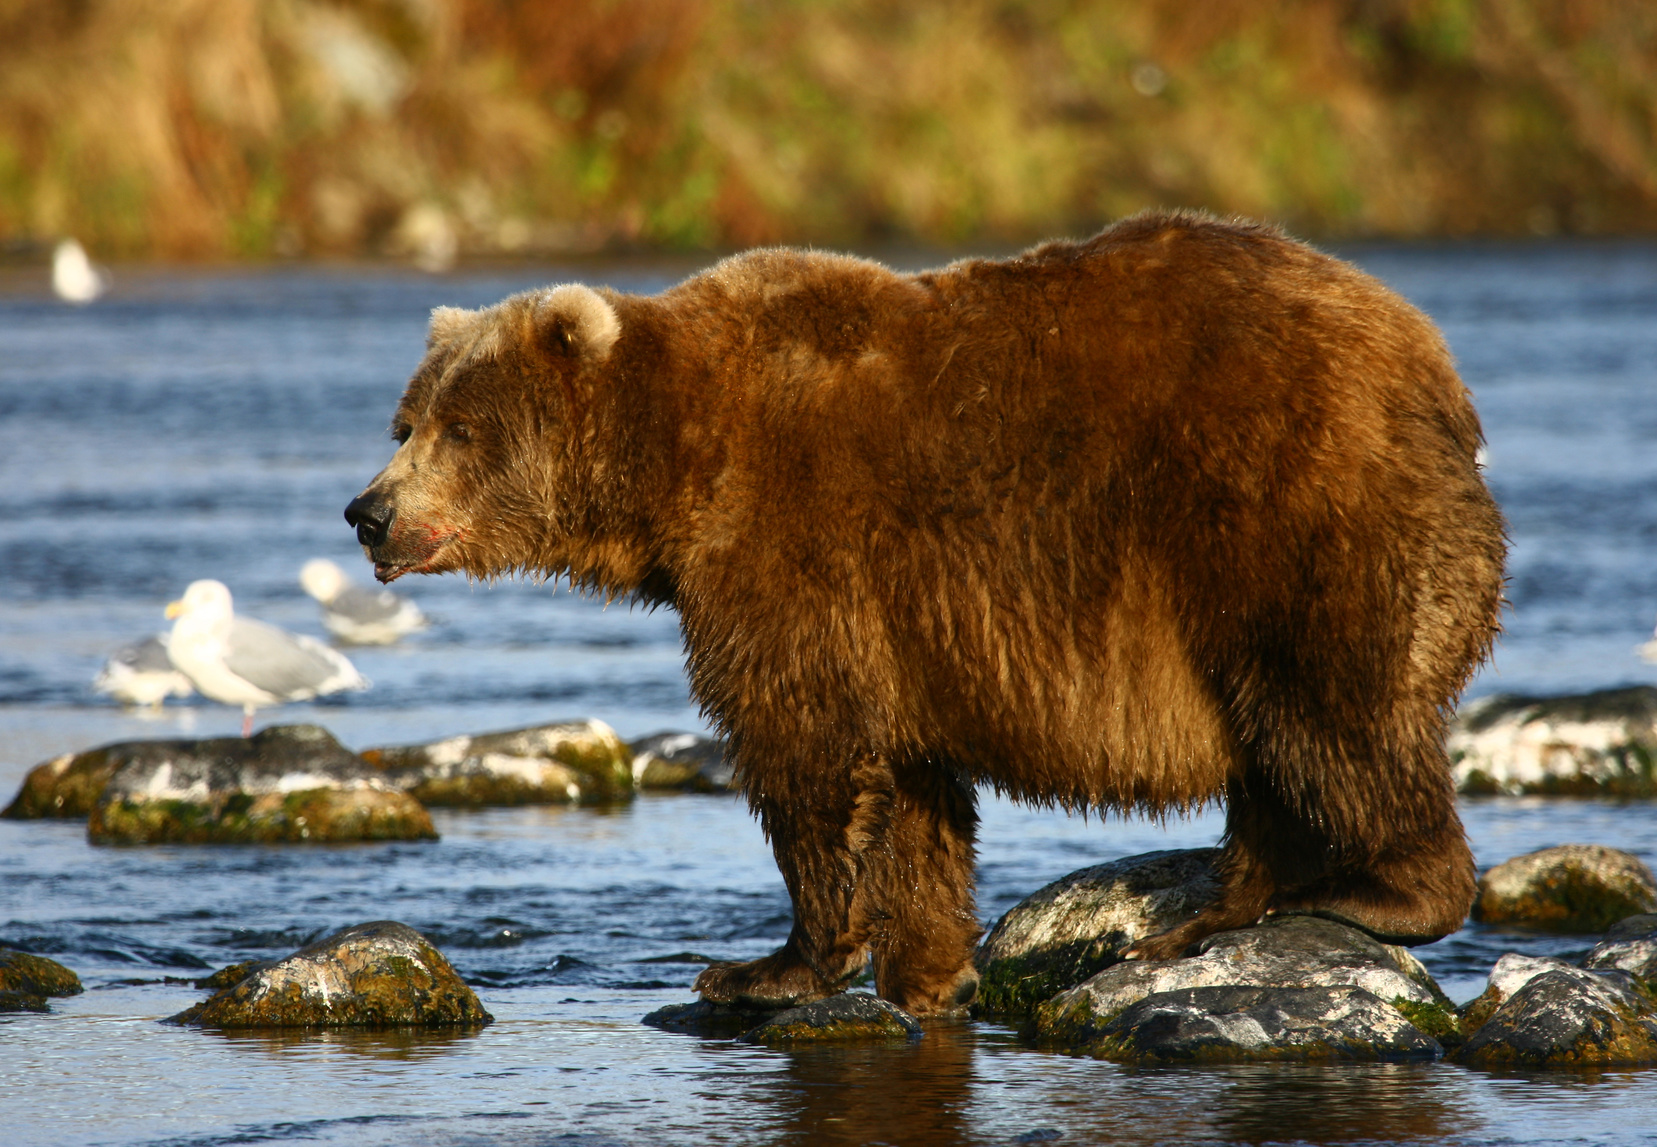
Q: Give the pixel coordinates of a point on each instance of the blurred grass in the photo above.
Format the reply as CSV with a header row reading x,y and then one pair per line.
x,y
250,128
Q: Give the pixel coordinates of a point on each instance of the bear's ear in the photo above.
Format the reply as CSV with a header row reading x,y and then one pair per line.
x,y
447,325
577,321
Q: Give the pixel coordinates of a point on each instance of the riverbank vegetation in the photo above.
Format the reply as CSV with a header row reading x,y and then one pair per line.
x,y
252,128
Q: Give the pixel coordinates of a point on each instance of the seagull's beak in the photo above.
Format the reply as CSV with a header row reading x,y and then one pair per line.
x,y
174,608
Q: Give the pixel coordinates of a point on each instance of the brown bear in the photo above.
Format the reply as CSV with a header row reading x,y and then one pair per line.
x,y
1184,512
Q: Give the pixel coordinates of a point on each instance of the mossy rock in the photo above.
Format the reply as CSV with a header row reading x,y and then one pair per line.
x,y
850,1017
708,1019
1573,888
381,974
67,786
22,1002
313,816
569,762
1567,1018
36,975
681,762
1578,745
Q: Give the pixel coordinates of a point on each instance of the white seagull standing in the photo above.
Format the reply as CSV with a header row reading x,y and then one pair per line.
x,y
248,663
356,615
142,674
74,278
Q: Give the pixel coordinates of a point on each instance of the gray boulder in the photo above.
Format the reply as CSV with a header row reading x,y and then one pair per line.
x,y
1629,946
1589,744
563,763
1291,953
1575,888
1232,1024
286,784
683,762
381,974
1079,925
1559,1016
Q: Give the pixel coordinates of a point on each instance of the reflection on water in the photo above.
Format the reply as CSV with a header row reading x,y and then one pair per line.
x,y
406,1044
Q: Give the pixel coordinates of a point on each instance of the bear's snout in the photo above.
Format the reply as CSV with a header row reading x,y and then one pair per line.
x,y
372,516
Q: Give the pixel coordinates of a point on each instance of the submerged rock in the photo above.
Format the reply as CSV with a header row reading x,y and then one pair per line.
x,y
681,761
1231,1024
577,761
1629,946
850,1017
1080,924
381,974
1290,954
1571,888
27,980
285,784
68,786
1589,744
709,1020
1559,1016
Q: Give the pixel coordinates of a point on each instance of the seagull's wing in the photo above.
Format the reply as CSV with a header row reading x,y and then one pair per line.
x,y
147,656
283,664
366,606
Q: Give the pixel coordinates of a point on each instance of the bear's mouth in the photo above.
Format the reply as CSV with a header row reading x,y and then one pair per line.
x,y
420,557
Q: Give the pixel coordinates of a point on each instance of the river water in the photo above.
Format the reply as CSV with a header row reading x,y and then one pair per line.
x,y
213,424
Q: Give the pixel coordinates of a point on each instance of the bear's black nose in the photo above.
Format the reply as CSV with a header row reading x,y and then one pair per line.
x,y
372,517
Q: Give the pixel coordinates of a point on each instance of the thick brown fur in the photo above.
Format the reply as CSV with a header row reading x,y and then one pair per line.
x,y
1187,511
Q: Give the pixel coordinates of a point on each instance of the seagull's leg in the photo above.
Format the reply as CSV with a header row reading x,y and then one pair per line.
x,y
247,720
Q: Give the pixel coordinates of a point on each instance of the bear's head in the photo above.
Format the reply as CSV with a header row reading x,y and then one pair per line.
x,y
483,480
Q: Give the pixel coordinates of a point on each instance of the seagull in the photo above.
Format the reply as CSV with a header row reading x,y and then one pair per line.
x,y
74,278
1648,651
142,674
243,662
356,615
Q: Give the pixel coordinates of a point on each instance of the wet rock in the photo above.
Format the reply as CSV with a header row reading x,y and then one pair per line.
x,y
1589,744
27,980
1571,888
1511,973
1288,954
577,761
1565,1017
229,977
1079,925
381,974
69,786
1242,1024
681,761
850,1017
22,1002
709,1020
286,784
1630,946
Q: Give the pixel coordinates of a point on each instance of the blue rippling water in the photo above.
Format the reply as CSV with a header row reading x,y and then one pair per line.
x,y
215,423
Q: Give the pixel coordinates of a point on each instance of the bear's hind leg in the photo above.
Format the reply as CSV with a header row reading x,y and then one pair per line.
x,y
919,886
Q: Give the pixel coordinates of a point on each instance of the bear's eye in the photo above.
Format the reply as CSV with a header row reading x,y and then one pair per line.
x,y
400,432
460,432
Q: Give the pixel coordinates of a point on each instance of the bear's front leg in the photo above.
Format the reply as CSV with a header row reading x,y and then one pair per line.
x,y
819,827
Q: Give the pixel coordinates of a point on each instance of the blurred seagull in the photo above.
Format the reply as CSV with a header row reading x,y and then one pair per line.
x,y
356,615
1648,651
248,663
74,278
142,674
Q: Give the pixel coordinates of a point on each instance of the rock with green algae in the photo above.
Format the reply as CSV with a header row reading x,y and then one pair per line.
x,y
1577,888
1288,954
1563,1017
708,1019
568,762
850,1017
68,786
1239,1024
286,784
683,762
380,974
1587,744
1630,946
27,980
1079,925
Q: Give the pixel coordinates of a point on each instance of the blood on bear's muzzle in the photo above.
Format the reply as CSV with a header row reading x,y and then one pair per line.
x,y
372,516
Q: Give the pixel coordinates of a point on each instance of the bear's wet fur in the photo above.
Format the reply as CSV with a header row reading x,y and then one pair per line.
x,y
1184,512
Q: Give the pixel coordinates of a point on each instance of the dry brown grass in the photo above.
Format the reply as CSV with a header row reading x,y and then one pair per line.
x,y
205,128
